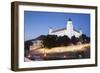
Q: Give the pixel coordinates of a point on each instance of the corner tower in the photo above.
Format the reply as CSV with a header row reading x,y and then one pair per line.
x,y
69,27
50,31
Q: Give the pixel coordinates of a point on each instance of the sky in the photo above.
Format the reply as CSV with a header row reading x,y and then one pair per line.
x,y
37,23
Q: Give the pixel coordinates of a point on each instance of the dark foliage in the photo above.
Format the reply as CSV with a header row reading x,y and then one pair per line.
x,y
63,41
55,41
27,44
74,40
84,39
50,41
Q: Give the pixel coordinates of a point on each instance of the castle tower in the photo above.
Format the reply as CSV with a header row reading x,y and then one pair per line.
x,y
69,27
80,31
50,30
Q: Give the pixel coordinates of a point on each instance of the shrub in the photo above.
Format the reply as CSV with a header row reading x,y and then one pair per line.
x,y
74,40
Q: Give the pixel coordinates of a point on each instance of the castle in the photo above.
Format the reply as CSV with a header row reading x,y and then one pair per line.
x,y
68,30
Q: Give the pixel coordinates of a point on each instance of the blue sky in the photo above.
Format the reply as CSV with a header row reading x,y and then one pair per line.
x,y
38,23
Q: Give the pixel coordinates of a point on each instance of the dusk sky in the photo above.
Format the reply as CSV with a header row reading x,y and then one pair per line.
x,y
38,23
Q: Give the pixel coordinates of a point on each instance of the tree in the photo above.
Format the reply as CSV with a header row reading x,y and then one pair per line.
x,y
55,41
27,44
50,41
63,41
88,40
74,40
84,39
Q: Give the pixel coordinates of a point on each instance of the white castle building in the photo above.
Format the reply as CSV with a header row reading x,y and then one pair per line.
x,y
68,30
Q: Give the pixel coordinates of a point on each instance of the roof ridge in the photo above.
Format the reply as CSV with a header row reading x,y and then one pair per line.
x,y
59,29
